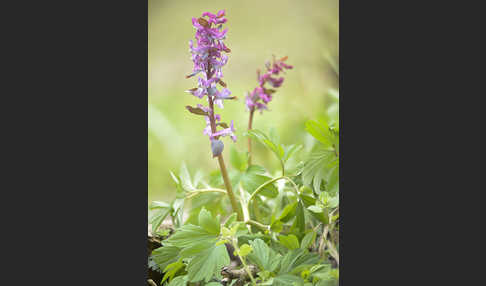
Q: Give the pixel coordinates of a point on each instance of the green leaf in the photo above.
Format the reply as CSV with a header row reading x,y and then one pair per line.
x,y
297,260
238,160
175,178
276,226
158,217
315,209
185,178
196,248
245,249
290,241
290,150
319,162
208,264
210,224
255,169
178,211
263,256
165,255
230,220
332,179
189,235
287,279
320,131
268,142
178,281
252,179
157,205
308,239
298,226
319,213
172,269
288,212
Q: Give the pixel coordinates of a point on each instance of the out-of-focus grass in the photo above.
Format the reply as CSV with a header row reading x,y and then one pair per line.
x,y
305,31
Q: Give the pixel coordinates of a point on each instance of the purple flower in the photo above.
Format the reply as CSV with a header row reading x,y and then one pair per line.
x,y
261,96
225,132
207,54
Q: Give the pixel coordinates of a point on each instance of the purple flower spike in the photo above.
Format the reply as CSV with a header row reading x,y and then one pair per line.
x,y
261,96
209,58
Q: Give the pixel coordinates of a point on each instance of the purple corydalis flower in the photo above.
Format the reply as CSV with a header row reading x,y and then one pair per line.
x,y
209,58
261,96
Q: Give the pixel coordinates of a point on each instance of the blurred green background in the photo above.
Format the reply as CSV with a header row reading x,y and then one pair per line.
x,y
306,31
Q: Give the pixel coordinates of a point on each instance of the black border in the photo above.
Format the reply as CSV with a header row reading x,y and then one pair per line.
x,y
74,114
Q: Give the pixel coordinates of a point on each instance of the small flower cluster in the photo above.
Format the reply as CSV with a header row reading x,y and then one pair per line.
x,y
261,96
208,58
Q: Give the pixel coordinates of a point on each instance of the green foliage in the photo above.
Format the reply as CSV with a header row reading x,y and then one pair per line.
x,y
188,235
272,142
254,178
160,210
164,256
323,162
263,256
290,228
308,239
208,263
290,241
211,225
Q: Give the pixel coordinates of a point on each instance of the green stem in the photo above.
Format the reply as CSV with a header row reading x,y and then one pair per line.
x,y
242,259
260,188
257,224
200,191
229,188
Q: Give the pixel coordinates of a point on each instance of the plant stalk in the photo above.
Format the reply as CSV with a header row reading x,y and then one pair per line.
x,y
257,224
222,166
200,191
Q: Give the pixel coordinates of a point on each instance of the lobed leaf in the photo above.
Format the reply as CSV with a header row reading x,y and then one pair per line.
x,y
208,264
263,256
165,255
210,224
189,235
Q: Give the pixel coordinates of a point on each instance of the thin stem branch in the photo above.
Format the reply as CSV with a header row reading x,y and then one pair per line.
x,y
200,191
245,266
260,188
257,224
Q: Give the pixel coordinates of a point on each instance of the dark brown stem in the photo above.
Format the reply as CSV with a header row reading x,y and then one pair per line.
x,y
250,122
